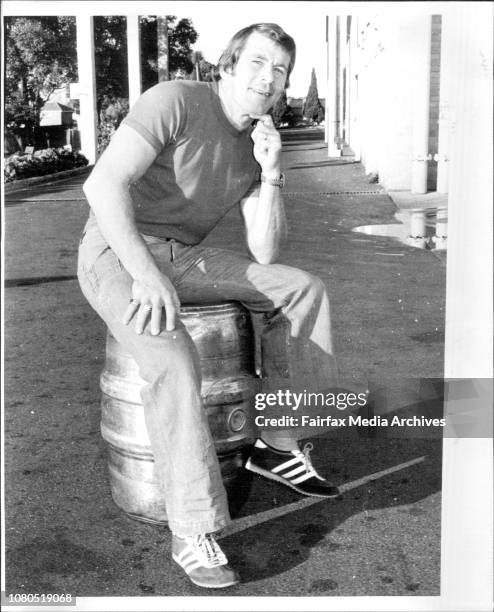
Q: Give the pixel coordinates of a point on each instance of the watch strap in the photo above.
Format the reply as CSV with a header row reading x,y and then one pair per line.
x,y
279,182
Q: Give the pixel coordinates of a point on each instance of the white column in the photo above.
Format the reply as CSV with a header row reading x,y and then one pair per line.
x,y
355,118
326,105
340,83
420,73
466,523
88,119
347,86
331,98
447,78
134,58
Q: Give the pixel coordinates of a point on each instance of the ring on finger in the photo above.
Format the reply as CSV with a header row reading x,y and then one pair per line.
x,y
147,307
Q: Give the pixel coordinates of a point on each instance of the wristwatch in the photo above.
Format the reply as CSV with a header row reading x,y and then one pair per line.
x,y
279,182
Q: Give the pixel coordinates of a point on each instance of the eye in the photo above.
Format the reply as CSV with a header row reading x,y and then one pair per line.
x,y
280,70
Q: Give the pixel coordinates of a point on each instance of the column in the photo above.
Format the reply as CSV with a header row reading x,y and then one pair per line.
x,y
420,73
348,67
326,105
354,95
134,58
340,83
88,118
466,523
331,96
448,75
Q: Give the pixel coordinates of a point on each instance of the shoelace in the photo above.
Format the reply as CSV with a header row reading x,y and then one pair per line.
x,y
306,460
208,550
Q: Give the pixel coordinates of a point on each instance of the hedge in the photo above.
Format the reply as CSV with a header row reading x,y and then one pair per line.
x,y
47,161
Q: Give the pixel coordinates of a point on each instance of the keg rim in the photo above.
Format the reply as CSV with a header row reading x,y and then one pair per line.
x,y
214,307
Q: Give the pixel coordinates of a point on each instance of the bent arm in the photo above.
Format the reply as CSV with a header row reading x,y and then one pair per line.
x,y
263,211
126,159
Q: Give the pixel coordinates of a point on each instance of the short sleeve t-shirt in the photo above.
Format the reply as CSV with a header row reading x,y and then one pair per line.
x,y
203,166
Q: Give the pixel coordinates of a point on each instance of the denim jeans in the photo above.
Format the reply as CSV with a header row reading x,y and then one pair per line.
x,y
295,344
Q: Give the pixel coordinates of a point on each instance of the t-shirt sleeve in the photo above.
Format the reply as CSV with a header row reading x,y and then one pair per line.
x,y
158,114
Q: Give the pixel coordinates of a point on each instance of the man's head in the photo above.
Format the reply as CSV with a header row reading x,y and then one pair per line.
x,y
231,54
254,71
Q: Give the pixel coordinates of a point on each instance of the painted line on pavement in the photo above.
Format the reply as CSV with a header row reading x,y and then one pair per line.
x,y
36,280
247,521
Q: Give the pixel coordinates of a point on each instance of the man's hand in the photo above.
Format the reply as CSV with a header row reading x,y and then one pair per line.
x,y
267,145
148,300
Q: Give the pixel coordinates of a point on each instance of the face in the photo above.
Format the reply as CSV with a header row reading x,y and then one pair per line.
x,y
259,76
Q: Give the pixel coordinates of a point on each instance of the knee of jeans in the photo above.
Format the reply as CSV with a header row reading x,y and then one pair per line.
x,y
175,359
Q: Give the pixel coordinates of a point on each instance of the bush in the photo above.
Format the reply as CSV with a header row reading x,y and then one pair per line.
x,y
47,161
112,112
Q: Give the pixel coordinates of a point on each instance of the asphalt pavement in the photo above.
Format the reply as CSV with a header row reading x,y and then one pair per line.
x,y
64,534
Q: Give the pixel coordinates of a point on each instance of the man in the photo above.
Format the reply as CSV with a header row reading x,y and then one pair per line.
x,y
186,154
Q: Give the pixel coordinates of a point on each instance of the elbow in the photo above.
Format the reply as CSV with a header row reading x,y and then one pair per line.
x,y
88,187
265,261
264,256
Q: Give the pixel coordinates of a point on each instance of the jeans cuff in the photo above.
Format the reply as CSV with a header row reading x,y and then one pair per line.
x,y
189,529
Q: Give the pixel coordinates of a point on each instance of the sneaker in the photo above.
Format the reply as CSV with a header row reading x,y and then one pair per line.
x,y
203,561
292,468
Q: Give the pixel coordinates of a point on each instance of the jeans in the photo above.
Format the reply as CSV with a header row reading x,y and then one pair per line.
x,y
296,352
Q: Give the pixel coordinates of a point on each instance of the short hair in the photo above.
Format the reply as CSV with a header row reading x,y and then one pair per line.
x,y
230,55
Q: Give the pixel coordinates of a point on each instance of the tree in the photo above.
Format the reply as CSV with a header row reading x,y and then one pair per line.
x,y
181,37
204,67
163,49
313,108
40,56
279,109
110,50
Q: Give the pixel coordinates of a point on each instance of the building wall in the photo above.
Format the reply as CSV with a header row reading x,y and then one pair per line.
x,y
383,61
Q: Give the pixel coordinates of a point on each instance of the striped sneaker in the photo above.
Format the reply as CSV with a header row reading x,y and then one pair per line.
x,y
291,468
203,561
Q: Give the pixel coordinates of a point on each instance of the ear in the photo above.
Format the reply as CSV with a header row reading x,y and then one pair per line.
x,y
225,72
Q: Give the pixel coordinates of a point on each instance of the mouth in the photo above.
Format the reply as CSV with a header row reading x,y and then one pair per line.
x,y
262,93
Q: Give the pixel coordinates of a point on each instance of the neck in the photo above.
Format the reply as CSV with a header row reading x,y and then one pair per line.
x,y
235,116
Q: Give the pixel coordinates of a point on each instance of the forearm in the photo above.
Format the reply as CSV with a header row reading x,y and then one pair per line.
x,y
111,203
266,224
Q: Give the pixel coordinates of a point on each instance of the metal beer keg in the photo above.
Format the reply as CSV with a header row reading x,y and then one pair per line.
x,y
223,336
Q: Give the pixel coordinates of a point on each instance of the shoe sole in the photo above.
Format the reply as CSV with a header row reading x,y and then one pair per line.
x,y
203,585
267,474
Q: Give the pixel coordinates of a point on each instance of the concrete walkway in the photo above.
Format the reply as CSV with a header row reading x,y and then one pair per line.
x,y
63,532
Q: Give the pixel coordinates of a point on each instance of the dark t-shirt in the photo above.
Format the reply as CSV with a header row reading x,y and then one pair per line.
x,y
204,165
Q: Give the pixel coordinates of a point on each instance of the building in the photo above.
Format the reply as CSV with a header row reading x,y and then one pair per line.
x,y
391,82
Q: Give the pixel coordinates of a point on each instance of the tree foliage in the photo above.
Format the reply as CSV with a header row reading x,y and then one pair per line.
x,y
205,68
110,50
279,109
40,56
313,108
181,36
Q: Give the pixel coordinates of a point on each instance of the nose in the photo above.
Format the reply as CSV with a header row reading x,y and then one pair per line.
x,y
267,73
